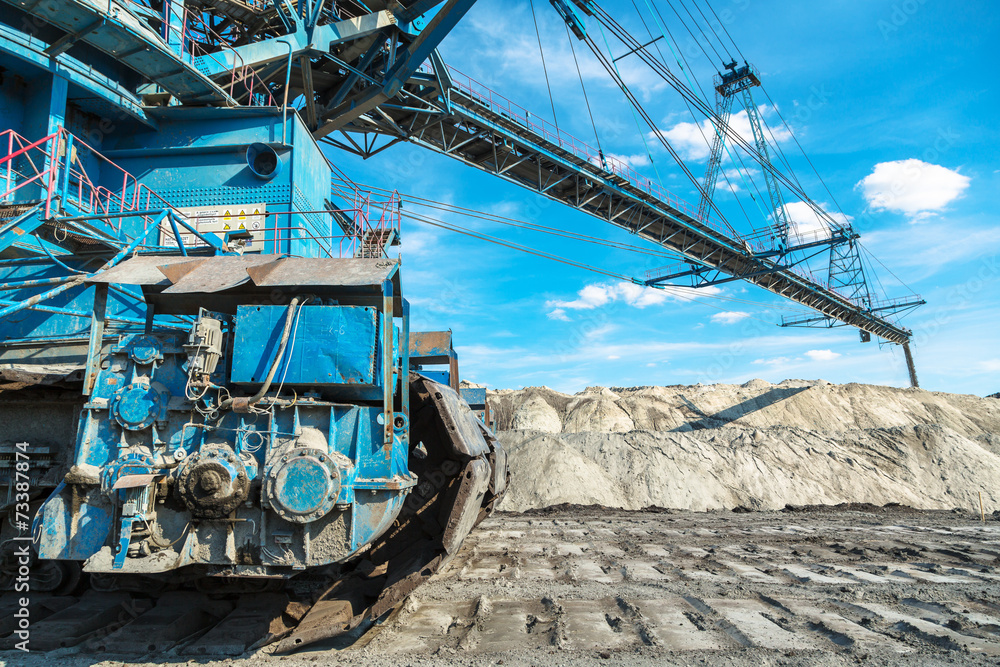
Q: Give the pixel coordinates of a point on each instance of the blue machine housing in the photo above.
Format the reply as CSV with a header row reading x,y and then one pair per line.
x,y
168,473
335,347
207,314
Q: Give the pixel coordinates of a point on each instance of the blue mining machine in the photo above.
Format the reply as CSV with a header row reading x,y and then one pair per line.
x,y
212,411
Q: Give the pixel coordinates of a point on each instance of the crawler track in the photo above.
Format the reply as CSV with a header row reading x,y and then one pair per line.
x,y
586,585
462,473
649,588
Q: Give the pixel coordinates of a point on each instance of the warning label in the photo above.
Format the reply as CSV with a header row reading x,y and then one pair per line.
x,y
219,220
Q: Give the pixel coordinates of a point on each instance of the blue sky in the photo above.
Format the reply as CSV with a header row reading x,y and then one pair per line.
x,y
894,102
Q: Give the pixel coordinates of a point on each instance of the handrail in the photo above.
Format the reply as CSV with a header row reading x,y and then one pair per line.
x,y
195,49
514,112
65,178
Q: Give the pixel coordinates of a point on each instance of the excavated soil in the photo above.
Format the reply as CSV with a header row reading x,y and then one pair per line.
x,y
574,585
757,445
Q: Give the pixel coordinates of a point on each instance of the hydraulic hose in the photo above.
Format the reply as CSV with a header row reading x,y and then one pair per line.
x,y
228,403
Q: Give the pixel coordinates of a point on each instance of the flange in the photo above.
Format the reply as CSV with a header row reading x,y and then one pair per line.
x,y
136,406
302,484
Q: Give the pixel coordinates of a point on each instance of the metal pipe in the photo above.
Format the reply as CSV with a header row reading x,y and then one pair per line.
x,y
27,303
288,80
388,391
77,313
34,283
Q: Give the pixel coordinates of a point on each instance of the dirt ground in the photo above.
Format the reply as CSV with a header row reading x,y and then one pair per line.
x,y
589,585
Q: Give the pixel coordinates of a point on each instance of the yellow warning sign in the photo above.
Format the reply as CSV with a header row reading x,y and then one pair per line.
x,y
218,220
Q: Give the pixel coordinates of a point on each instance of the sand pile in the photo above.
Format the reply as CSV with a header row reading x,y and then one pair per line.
x,y
755,445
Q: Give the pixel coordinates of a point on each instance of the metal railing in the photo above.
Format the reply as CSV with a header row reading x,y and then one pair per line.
x,y
243,79
55,167
550,132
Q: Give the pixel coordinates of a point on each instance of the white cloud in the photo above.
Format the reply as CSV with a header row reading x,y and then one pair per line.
x,y
774,361
693,140
990,365
634,161
588,298
807,225
912,187
729,317
596,295
822,355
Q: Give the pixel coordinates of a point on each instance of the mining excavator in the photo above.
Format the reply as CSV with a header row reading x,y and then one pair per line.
x,y
217,430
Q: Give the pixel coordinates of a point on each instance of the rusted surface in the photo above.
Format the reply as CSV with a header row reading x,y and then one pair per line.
x,y
177,270
457,427
395,593
141,270
431,347
220,274
465,508
306,272
326,619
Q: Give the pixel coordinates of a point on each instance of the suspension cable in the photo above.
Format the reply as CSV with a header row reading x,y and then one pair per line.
x,y
686,68
690,32
612,70
735,45
802,150
709,24
704,108
545,70
675,290
586,99
638,127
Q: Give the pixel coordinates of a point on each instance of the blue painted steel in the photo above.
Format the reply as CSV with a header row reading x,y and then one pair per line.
x,y
474,396
330,345
442,377
132,42
122,135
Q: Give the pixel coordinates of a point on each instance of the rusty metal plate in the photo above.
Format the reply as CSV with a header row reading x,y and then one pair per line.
x,y
133,481
142,270
323,272
217,274
397,592
465,512
431,347
328,618
458,423
498,459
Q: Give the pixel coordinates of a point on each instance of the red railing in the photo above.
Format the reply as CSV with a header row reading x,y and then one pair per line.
x,y
243,79
55,167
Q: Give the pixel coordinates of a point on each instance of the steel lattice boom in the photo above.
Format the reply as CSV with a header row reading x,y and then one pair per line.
x,y
352,72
